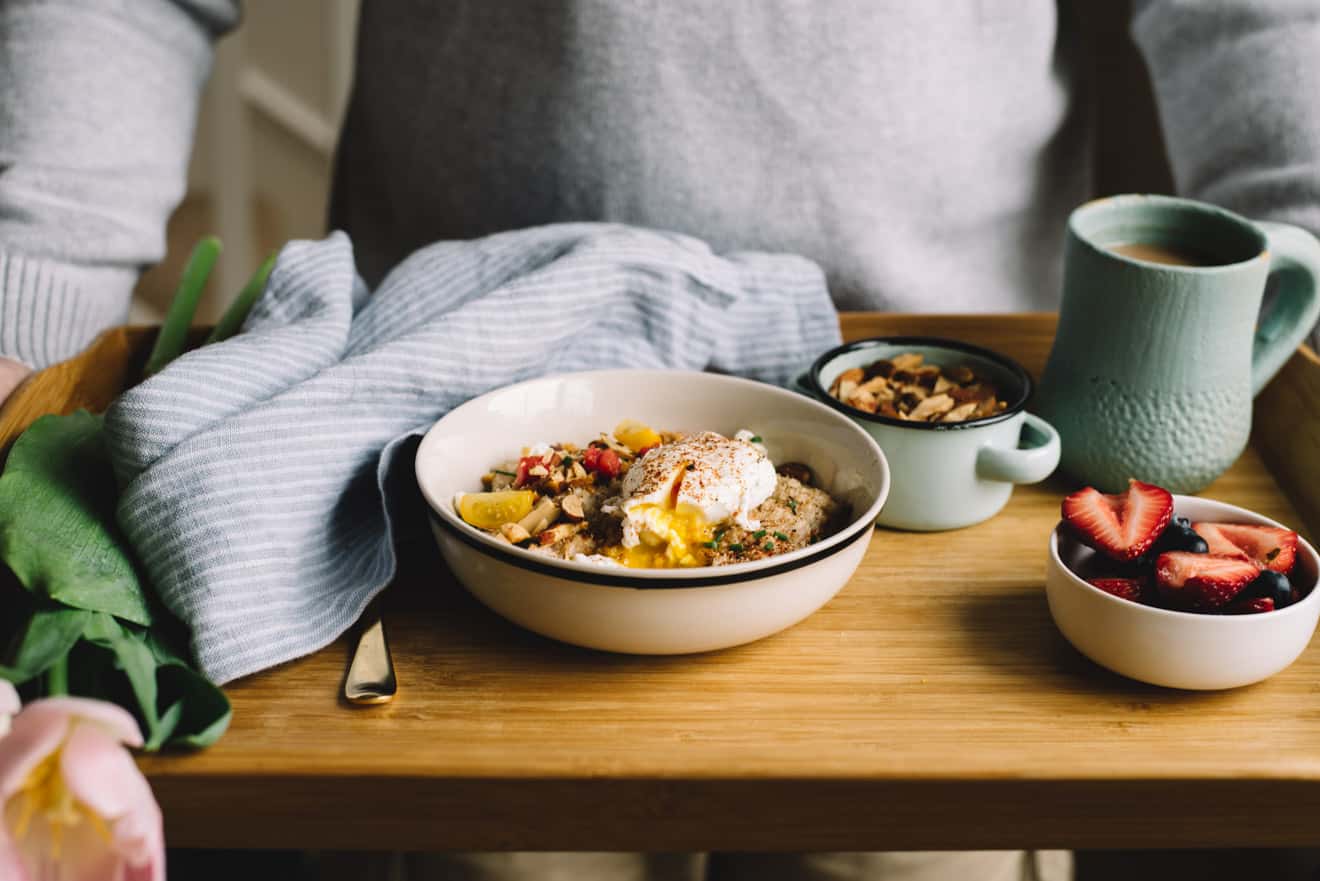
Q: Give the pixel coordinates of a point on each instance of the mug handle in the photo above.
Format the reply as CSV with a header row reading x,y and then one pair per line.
x,y
1022,464
1295,259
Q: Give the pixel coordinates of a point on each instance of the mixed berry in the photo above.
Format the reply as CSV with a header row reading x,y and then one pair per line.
x,y
1151,557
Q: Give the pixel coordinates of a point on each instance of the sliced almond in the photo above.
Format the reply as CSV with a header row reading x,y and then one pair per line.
x,y
863,401
846,390
943,385
914,390
514,533
932,407
578,471
538,471
961,412
907,361
557,533
572,507
875,385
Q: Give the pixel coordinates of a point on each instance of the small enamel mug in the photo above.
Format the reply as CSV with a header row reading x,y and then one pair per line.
x,y
945,475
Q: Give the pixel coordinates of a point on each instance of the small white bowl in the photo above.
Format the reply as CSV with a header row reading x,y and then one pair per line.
x,y
649,611
1179,649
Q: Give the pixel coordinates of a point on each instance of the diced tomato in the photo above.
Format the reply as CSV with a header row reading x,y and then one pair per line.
x,y
602,461
525,464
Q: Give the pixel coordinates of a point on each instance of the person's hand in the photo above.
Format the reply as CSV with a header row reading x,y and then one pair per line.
x,y
12,373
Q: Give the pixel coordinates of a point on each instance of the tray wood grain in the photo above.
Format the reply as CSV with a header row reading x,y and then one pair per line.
x,y
932,704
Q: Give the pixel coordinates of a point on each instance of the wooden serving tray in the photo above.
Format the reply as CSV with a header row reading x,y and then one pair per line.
x,y
932,704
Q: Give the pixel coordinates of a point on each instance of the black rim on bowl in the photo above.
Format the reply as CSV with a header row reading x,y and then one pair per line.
x,y
609,577
822,393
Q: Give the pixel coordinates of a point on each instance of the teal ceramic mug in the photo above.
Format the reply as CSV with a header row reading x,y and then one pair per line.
x,y
945,475
1156,363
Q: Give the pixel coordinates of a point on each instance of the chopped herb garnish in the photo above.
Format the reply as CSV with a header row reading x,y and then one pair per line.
x,y
505,473
758,534
792,505
756,438
736,547
568,462
781,536
719,534
768,546
710,544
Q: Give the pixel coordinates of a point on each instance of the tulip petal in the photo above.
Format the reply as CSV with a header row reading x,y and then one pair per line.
x,y
115,720
104,778
31,739
140,838
79,853
100,773
10,864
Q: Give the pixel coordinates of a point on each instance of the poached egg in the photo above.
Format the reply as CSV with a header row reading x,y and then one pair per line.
x,y
674,498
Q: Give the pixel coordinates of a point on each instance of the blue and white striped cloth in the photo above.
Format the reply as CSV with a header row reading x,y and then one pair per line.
x,y
255,470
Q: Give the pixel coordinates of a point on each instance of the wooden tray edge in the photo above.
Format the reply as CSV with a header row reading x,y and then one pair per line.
x,y
1286,432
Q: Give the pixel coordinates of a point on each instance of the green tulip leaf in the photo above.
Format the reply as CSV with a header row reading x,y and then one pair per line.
x,y
57,519
176,705
48,635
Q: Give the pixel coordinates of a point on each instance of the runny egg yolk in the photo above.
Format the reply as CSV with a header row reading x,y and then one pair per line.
x,y
670,537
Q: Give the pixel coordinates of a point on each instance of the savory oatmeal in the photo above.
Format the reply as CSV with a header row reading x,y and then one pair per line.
x,y
647,499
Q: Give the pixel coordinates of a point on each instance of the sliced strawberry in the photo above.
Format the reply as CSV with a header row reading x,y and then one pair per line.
x,y
1269,547
1124,526
1218,542
1201,581
1250,606
1124,588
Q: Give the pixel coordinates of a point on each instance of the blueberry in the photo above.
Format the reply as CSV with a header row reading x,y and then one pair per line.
x,y
1179,536
1182,521
1273,585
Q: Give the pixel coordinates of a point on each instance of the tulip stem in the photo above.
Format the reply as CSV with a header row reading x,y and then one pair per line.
x,y
57,678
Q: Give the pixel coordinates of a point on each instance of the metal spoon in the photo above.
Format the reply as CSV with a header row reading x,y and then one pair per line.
x,y
370,677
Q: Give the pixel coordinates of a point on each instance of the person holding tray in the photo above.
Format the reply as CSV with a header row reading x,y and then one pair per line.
x,y
925,155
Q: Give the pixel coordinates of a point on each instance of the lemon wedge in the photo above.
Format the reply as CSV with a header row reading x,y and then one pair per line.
x,y
492,510
635,435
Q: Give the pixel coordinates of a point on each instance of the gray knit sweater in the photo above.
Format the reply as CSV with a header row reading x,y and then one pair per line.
x,y
926,154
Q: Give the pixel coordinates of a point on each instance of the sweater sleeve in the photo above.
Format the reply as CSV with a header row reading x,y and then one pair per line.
x,y
98,102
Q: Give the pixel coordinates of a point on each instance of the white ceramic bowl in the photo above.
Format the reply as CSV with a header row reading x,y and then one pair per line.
x,y
1179,649
649,611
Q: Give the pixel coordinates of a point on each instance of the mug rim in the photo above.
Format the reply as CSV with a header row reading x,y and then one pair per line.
x,y
1017,406
1132,200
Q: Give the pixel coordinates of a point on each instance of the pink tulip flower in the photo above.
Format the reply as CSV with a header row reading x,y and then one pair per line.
x,y
75,806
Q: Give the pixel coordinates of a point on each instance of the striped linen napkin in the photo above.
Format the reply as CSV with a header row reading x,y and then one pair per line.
x,y
257,471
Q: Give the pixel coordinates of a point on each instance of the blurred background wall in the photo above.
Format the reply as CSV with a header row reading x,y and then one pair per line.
x,y
265,141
